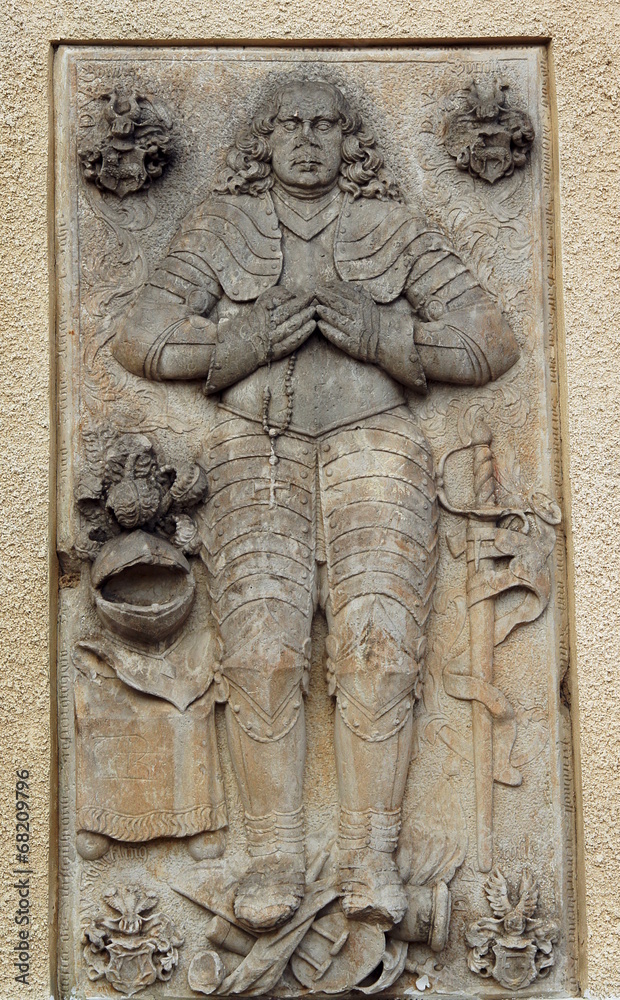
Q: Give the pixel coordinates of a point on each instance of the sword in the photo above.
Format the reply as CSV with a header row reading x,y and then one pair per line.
x,y
481,619
481,644
486,520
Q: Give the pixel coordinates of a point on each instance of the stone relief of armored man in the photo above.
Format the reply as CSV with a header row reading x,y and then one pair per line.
x,y
310,298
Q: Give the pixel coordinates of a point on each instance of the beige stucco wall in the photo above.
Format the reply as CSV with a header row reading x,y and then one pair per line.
x,y
585,45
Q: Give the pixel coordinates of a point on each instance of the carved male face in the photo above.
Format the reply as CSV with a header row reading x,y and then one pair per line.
x,y
307,138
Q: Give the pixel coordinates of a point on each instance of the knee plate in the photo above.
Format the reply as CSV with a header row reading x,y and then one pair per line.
x,y
260,725
375,699
265,681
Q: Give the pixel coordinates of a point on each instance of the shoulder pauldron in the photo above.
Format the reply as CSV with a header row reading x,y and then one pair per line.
x,y
379,242
239,238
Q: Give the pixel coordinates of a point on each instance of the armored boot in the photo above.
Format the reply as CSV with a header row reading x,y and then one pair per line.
x,y
371,780
270,775
273,887
369,880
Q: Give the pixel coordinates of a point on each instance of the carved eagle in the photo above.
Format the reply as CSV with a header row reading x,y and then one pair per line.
x,y
513,916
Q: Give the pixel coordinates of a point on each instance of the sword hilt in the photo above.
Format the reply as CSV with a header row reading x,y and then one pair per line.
x,y
485,482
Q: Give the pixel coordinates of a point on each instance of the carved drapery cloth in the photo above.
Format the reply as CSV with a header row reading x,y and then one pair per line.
x,y
131,749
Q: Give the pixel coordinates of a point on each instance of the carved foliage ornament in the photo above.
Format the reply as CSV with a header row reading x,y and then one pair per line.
x,y
512,947
125,141
487,135
134,949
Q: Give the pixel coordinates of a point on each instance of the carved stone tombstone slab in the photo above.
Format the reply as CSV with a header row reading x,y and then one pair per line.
x,y
313,736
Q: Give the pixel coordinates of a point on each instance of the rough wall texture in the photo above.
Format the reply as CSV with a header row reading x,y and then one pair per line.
x,y
585,40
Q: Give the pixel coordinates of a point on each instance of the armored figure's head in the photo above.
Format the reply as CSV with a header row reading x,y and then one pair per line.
x,y
307,138
306,141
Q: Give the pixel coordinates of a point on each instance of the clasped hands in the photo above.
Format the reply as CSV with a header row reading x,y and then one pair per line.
x,y
280,321
345,314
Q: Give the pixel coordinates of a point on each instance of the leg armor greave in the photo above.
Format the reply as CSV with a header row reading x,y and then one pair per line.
x,y
361,828
274,832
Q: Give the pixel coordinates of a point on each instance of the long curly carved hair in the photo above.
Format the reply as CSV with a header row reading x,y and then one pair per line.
x,y
248,167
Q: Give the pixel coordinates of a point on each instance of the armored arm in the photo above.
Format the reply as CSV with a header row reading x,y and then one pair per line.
x,y
165,334
396,350
468,344
432,319
461,335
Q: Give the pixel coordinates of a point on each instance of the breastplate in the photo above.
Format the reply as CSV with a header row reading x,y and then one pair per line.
x,y
330,388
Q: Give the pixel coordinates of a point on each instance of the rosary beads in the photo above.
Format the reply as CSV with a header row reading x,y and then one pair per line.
x,y
273,432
